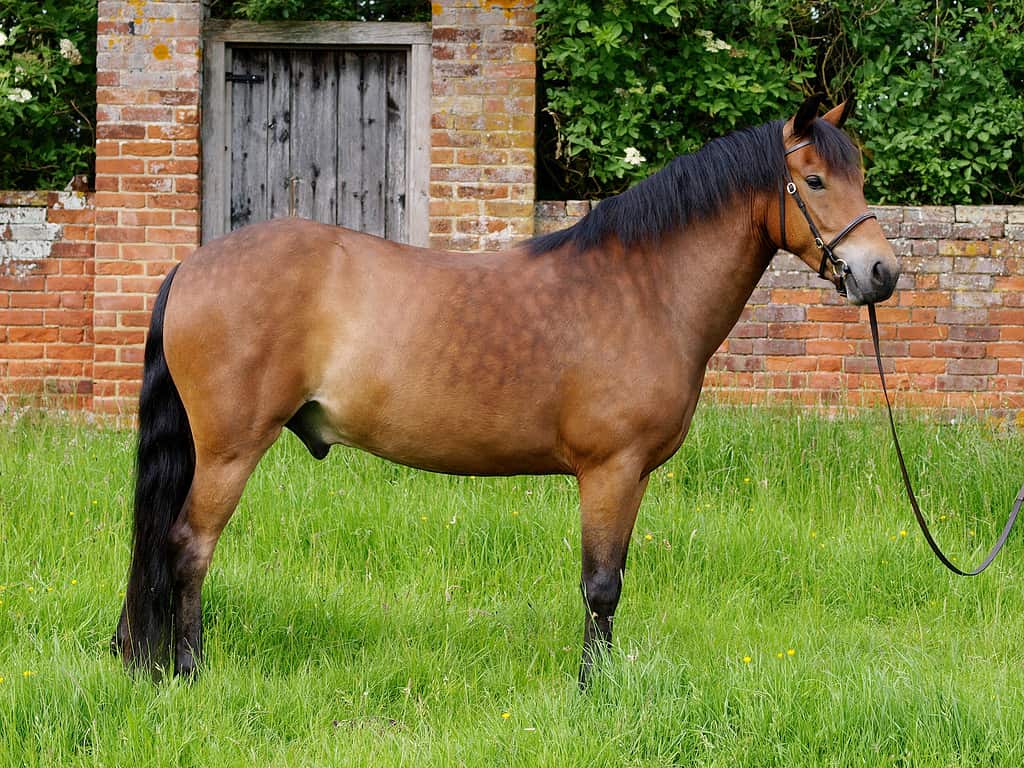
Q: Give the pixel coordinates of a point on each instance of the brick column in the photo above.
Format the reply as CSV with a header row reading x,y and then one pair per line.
x,y
147,176
482,137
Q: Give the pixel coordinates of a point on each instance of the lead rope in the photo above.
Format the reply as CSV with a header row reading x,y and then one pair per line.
x,y
910,491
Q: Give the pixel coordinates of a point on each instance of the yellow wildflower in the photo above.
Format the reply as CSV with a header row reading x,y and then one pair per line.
x,y
746,659
506,715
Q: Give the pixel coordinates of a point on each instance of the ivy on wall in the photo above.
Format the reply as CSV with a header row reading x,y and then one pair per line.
x,y
627,85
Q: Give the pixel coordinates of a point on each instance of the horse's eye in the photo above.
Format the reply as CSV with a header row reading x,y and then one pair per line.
x,y
814,182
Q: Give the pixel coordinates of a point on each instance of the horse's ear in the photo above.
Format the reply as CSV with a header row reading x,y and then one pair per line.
x,y
807,114
838,115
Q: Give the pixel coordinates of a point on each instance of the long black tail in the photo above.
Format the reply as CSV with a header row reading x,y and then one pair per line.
x,y
165,465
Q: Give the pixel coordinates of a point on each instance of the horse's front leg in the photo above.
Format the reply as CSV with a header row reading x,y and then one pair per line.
x,y
610,495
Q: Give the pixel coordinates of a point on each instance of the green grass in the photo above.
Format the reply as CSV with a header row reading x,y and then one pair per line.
x,y
362,613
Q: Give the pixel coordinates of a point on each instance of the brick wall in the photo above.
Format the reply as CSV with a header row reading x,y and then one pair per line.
x,y
77,281
46,284
482,156
953,335
147,176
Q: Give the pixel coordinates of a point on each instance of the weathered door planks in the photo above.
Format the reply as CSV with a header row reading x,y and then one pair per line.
x,y
249,133
332,121
330,131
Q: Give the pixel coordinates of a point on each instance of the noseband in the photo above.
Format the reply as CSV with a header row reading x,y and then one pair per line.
x,y
840,269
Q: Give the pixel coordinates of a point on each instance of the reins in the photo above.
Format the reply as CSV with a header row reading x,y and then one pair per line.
x,y
910,491
839,271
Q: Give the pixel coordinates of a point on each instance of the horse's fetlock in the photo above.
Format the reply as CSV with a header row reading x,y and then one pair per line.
x,y
601,590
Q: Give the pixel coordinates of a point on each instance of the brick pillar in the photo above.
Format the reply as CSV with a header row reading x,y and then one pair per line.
x,y
482,137
147,176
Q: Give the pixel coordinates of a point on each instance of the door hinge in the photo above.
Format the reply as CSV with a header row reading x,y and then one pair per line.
x,y
246,77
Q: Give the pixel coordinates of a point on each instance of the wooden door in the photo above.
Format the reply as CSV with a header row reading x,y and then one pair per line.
x,y
320,133
329,120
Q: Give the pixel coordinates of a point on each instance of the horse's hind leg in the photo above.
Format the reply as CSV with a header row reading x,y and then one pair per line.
x,y
610,496
217,486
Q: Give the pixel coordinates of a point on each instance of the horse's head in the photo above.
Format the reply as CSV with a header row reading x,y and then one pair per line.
x,y
822,215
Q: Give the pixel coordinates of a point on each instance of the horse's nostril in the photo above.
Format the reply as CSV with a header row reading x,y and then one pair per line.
x,y
880,273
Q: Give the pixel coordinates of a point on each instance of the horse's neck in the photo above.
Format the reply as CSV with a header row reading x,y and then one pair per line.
x,y
707,273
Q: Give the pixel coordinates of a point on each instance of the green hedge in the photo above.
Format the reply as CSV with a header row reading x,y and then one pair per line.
x,y
47,91
940,85
322,10
940,88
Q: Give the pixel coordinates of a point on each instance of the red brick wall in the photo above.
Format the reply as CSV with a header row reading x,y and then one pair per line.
x,y
46,283
483,105
147,176
74,319
953,335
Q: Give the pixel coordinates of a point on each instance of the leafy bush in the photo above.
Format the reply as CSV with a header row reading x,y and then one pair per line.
x,y
322,10
659,76
626,86
942,99
47,91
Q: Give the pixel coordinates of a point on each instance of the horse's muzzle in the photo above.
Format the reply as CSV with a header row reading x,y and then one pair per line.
x,y
872,281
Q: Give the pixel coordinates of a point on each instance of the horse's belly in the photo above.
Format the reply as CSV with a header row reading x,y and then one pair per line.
x,y
445,436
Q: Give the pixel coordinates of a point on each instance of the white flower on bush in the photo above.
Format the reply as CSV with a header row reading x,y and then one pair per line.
x,y
3,37
633,156
20,95
711,43
69,51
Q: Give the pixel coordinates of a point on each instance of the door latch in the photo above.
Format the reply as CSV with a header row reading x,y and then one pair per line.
x,y
245,77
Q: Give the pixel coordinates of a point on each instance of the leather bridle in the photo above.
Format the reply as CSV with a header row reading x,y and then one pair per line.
x,y
840,269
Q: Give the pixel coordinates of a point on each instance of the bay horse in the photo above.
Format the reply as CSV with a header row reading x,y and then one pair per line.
x,y
581,352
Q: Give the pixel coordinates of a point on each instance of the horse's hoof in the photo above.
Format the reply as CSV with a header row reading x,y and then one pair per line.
x,y
186,667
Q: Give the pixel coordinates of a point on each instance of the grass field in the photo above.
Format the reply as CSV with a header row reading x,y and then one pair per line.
x,y
780,609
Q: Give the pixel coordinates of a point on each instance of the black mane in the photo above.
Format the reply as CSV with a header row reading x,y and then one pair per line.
x,y
693,187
